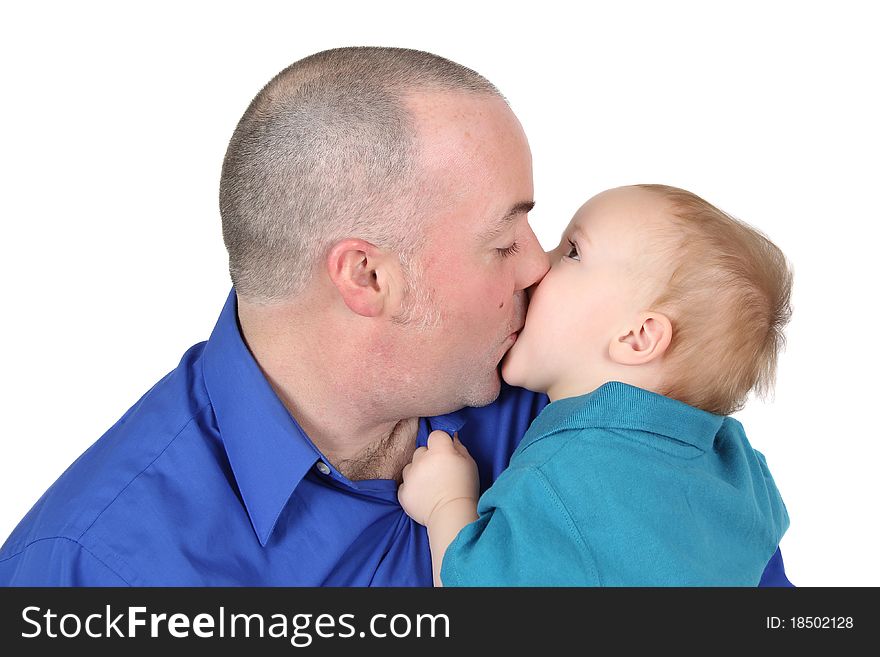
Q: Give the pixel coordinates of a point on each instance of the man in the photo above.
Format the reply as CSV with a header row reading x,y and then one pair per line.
x,y
375,207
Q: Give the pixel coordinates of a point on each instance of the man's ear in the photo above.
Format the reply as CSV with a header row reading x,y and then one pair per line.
x,y
358,269
645,339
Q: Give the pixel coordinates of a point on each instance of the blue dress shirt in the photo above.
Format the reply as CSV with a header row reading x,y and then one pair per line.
x,y
208,480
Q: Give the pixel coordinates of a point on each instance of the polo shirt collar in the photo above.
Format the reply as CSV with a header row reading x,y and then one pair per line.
x,y
617,405
268,451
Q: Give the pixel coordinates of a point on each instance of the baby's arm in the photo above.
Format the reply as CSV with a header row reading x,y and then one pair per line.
x,y
440,490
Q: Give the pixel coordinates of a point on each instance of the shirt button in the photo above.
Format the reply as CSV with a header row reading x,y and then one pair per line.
x,y
323,468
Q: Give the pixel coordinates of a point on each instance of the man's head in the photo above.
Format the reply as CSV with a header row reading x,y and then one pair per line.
x,y
381,187
652,285
327,150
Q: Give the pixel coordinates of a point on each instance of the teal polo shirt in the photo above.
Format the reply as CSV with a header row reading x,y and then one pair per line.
x,y
624,487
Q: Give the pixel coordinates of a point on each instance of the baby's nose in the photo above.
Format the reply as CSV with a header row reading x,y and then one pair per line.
x,y
531,290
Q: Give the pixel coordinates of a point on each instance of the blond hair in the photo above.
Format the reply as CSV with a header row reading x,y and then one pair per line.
x,y
728,298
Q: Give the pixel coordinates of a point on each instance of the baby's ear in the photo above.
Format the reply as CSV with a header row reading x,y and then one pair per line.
x,y
646,338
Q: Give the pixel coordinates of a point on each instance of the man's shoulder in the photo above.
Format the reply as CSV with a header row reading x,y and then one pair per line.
x,y
174,410
492,432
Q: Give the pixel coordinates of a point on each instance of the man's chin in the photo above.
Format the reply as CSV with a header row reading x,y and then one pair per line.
x,y
486,393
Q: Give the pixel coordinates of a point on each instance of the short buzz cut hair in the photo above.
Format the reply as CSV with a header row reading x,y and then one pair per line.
x,y
327,150
728,297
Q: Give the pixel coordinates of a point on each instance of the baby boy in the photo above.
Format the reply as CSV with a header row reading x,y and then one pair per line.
x,y
658,317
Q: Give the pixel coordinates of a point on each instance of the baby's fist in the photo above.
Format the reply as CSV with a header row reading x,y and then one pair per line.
x,y
441,472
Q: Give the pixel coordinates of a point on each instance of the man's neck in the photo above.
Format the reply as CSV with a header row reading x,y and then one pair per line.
x,y
357,449
384,459
329,403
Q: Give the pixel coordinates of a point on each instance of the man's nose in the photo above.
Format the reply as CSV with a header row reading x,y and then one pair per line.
x,y
535,265
530,290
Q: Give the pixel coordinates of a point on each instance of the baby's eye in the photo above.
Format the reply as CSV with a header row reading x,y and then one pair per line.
x,y
572,251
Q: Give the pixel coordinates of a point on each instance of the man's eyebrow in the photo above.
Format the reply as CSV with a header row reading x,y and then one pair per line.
x,y
523,207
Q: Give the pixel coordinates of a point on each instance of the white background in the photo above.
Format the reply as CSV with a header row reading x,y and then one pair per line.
x,y
115,121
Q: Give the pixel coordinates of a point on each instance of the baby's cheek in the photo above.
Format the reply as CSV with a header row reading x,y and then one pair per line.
x,y
509,371
515,364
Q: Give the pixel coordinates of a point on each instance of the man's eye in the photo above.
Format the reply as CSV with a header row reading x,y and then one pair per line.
x,y
509,251
572,251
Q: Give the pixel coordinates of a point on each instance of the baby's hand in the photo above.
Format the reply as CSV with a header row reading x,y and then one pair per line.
x,y
439,473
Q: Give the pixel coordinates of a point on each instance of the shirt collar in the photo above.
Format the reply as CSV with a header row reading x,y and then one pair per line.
x,y
450,423
267,449
616,405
